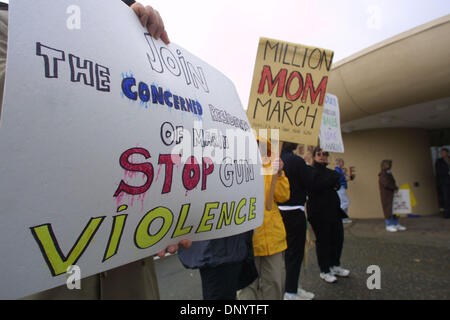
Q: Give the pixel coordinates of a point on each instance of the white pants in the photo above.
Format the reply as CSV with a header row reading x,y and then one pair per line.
x,y
345,202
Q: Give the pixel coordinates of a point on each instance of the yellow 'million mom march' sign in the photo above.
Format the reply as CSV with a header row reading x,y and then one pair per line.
x,y
288,89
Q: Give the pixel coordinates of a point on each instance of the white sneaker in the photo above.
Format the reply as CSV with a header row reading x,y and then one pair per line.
x,y
291,296
305,295
340,272
400,227
346,220
328,277
391,229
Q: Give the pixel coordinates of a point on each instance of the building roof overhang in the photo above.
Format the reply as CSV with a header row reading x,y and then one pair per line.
x,y
409,69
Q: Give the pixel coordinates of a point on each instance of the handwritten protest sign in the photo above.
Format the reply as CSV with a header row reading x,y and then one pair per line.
x,y
411,194
288,89
113,146
330,129
402,202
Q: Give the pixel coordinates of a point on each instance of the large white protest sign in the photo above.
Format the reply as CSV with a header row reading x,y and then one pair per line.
x,y
113,146
330,129
402,202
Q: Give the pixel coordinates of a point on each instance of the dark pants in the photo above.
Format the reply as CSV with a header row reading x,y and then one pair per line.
x,y
295,225
329,242
221,282
445,191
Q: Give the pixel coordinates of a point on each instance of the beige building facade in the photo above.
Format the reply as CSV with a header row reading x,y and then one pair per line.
x,y
391,96
409,151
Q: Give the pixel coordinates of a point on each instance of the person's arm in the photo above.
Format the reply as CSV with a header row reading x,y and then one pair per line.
x,y
282,189
339,170
335,177
394,184
185,244
387,182
323,179
303,172
342,176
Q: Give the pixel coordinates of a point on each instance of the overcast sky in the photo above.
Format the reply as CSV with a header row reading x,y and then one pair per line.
x,y
225,33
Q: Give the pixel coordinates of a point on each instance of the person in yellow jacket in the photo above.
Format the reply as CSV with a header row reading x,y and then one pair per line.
x,y
269,240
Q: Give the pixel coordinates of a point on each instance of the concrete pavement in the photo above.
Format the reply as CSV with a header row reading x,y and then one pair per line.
x,y
414,264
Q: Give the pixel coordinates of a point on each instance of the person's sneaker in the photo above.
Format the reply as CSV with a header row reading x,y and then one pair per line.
x,y
340,272
291,296
328,277
391,229
305,295
346,220
400,227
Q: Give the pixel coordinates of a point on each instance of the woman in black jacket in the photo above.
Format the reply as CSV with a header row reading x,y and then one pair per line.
x,y
293,214
325,217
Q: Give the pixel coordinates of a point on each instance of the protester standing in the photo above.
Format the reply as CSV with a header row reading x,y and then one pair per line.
x,y
388,187
325,216
220,262
269,240
293,214
443,176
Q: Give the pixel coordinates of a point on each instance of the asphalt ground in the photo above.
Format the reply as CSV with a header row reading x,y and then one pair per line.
x,y
413,264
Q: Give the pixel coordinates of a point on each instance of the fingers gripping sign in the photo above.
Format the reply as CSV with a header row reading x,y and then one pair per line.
x,y
277,166
185,244
151,19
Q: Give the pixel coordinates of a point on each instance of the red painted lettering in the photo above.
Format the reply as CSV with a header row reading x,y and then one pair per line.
x,y
169,160
207,168
146,168
309,87
279,81
297,94
191,173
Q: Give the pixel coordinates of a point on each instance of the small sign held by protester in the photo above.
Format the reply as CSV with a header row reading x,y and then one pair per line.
x,y
330,129
402,202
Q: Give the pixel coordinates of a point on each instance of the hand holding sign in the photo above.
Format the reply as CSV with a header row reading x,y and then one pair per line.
x,y
185,244
151,20
278,165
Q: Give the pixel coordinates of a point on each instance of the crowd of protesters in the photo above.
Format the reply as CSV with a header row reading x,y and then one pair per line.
x,y
261,264
264,263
